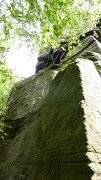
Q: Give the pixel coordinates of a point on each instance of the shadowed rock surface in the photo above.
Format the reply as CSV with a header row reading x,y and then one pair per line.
x,y
55,117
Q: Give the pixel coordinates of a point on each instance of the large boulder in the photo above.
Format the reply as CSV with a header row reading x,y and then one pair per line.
x,y
55,119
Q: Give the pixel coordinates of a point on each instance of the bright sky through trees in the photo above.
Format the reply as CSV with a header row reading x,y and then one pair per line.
x,y
21,61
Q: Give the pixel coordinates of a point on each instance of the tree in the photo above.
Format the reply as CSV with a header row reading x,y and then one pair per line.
x,y
43,22
7,80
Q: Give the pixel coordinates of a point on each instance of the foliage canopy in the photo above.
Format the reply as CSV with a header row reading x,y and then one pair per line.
x,y
43,22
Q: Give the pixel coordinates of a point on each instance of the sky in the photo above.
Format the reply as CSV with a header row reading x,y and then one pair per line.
x,y
21,61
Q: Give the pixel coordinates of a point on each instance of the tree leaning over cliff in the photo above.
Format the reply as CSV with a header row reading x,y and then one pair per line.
x,y
44,22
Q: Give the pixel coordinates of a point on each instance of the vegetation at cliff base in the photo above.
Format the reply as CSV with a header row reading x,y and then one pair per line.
x,y
6,82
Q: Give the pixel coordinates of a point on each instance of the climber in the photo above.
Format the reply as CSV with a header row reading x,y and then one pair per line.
x,y
59,55
44,60
63,53
48,59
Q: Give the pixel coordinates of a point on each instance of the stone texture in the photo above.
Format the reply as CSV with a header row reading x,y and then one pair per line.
x,y
56,122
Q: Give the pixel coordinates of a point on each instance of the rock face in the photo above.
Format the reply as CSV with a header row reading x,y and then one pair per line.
x,y
55,117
